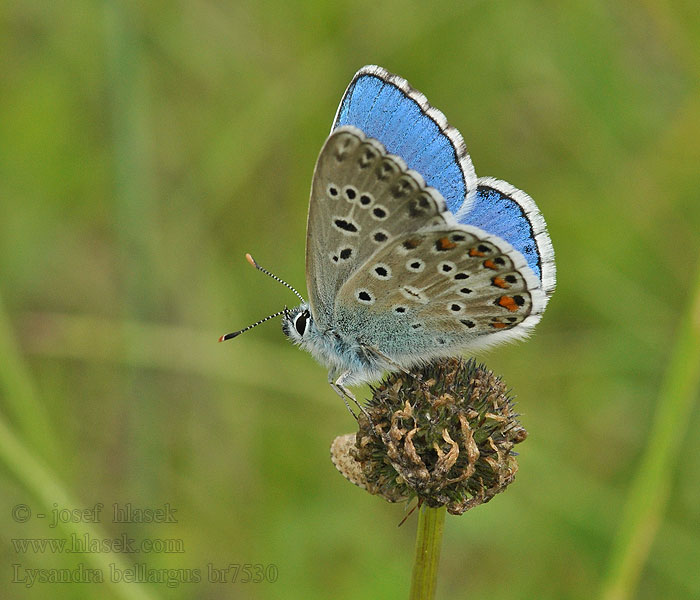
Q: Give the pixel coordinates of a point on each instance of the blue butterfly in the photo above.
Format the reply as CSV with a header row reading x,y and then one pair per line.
x,y
410,257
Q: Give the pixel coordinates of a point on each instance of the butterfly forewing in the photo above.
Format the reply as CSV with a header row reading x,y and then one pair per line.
x,y
362,200
385,107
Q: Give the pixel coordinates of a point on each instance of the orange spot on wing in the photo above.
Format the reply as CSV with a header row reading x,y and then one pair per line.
x,y
500,282
475,252
489,264
508,302
499,325
445,244
412,243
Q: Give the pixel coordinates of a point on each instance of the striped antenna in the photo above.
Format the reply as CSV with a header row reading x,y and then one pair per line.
x,y
229,336
251,260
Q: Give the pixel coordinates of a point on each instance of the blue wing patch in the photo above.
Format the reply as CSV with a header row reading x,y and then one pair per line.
x,y
503,210
386,108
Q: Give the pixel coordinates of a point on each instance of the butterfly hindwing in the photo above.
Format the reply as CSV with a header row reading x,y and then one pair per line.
x,y
438,290
509,213
362,199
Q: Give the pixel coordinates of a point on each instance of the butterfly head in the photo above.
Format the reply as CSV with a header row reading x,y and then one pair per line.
x,y
324,344
297,323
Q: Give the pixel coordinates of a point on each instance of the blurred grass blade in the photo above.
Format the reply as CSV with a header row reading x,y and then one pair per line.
x,y
135,204
31,421
45,487
18,397
650,488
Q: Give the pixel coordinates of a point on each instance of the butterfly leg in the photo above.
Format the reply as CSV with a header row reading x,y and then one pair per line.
x,y
342,392
371,350
390,364
339,386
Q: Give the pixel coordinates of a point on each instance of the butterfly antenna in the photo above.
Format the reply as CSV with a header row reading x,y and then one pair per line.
x,y
229,336
251,260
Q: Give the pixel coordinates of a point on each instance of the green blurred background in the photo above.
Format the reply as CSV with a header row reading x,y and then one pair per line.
x,y
145,147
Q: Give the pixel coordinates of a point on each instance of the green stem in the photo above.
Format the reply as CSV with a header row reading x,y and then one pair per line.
x,y
651,485
431,524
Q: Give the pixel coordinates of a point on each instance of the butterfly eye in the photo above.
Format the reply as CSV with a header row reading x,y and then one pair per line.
x,y
301,321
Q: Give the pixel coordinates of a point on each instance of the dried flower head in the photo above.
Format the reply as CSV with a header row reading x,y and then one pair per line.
x,y
444,434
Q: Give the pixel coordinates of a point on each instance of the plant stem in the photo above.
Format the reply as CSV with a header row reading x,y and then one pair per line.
x,y
431,524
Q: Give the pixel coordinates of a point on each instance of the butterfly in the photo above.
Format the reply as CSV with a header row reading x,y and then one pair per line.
x,y
410,257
